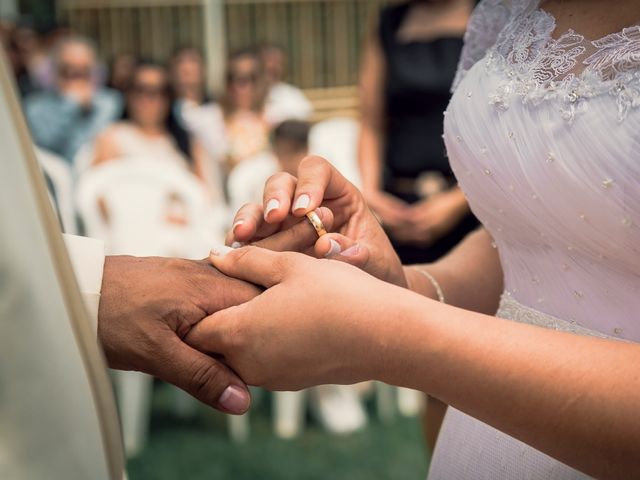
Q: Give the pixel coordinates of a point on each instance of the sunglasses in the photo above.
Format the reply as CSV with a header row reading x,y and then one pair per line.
x,y
150,91
70,72
243,80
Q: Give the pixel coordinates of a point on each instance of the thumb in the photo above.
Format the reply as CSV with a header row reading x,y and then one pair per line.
x,y
339,247
216,333
253,264
203,377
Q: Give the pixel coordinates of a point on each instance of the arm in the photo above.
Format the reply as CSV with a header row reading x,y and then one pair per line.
x,y
370,143
470,275
372,78
574,398
106,147
208,171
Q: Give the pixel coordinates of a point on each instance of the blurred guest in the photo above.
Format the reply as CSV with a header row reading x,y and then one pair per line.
x,y
289,145
188,76
121,71
21,74
64,119
234,129
408,69
284,101
243,108
149,128
30,47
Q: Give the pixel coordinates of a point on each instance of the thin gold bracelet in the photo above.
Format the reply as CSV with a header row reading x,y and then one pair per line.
x,y
434,282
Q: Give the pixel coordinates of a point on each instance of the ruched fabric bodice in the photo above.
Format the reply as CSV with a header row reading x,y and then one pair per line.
x,y
561,200
542,133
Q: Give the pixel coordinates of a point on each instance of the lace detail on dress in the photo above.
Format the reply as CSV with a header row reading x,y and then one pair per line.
x,y
537,67
511,309
486,22
616,53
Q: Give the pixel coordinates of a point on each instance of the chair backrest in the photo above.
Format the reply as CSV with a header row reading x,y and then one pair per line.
x,y
59,172
83,159
144,207
336,140
245,182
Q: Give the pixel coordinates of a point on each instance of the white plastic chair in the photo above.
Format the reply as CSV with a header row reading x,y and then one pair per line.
x,y
336,140
83,159
59,172
153,208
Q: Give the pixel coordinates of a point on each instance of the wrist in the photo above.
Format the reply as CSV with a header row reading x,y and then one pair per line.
x,y
399,338
459,202
419,283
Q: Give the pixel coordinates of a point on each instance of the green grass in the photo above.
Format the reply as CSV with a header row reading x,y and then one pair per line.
x,y
199,448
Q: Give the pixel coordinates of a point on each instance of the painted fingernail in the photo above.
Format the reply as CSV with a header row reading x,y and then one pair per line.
x,y
302,202
334,250
221,251
352,251
271,205
235,399
237,224
235,245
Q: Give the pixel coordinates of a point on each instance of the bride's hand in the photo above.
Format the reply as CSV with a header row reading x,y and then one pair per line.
x,y
319,321
357,237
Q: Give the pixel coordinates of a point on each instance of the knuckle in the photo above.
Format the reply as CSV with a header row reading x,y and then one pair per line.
x,y
208,379
314,161
244,208
280,178
240,255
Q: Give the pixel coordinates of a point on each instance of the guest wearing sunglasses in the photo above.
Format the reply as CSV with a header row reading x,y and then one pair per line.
x,y
149,128
235,128
72,114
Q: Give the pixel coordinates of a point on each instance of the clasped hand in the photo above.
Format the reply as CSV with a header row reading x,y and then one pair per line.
x,y
291,310
321,317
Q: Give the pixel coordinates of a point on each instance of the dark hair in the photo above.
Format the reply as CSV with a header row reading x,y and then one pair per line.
x,y
179,134
271,46
294,131
186,50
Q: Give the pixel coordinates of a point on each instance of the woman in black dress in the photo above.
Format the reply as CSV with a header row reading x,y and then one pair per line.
x,y
409,65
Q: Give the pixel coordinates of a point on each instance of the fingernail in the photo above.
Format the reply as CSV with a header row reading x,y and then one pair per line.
x,y
302,202
221,251
235,245
235,399
237,224
271,205
352,251
335,248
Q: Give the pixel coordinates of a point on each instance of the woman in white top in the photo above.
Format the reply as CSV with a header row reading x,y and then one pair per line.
x,y
543,133
149,128
235,129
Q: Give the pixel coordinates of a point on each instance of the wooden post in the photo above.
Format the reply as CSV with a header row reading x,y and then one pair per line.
x,y
215,44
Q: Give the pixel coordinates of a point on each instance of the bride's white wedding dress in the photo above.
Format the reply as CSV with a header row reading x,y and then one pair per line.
x,y
543,132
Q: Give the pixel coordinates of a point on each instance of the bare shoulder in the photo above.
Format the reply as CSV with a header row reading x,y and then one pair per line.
x,y
106,144
593,19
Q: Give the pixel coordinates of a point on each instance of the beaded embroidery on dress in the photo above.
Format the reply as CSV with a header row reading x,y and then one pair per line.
x,y
543,134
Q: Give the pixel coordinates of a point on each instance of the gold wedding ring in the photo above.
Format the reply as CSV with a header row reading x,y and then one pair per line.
x,y
314,219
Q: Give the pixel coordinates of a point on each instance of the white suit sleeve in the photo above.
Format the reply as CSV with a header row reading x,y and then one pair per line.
x,y
87,259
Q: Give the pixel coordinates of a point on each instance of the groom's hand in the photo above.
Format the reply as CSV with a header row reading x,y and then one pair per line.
x,y
148,305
